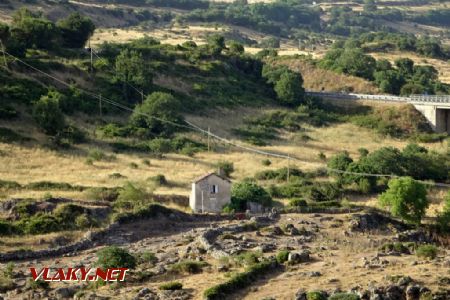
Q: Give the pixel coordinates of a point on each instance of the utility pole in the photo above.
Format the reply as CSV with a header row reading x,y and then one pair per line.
x,y
90,48
209,138
142,96
100,106
4,54
288,168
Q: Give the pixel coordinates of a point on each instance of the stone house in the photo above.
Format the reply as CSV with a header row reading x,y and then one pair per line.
x,y
210,193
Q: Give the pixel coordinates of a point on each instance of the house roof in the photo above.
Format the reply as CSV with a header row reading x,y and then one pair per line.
x,y
209,174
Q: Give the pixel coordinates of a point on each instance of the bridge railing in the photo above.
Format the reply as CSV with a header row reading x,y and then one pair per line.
x,y
359,96
431,98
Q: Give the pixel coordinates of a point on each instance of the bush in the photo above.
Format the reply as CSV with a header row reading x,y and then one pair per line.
x,y
226,166
37,284
47,113
344,296
266,162
315,296
188,267
171,286
39,224
115,257
247,191
98,155
282,256
83,221
102,193
130,196
427,251
298,202
147,257
406,199
248,258
239,281
160,179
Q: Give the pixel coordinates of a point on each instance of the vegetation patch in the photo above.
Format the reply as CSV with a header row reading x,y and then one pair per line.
x,y
240,280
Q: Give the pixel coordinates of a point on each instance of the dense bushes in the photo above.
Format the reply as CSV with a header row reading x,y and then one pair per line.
x,y
413,161
47,113
247,191
405,78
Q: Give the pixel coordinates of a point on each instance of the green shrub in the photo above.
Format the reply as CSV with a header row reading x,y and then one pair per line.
x,y
406,198
102,193
130,196
171,286
282,256
239,281
37,284
115,257
226,166
427,251
68,212
344,296
296,202
6,184
47,113
83,221
248,258
147,257
49,185
266,162
160,179
188,267
315,296
39,224
246,191
133,165
7,228
99,155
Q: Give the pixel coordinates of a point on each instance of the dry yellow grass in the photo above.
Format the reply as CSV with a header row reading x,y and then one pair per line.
x,y
37,242
317,79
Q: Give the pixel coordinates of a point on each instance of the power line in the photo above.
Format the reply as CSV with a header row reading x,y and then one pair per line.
x,y
210,134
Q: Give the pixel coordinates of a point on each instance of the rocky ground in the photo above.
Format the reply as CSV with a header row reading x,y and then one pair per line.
x,y
327,252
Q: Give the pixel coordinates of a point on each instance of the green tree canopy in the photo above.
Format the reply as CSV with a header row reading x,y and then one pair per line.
x,y
289,88
75,30
155,117
47,114
131,69
248,191
406,198
33,30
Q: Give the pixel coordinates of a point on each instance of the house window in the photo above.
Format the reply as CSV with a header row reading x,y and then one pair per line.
x,y
214,189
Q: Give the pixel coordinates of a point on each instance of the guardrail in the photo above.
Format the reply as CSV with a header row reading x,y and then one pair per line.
x,y
431,99
389,98
351,96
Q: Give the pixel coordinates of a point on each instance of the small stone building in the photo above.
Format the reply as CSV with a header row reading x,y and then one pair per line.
x,y
210,193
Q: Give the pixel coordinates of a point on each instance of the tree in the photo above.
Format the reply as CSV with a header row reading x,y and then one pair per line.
x,y
216,43
157,115
236,48
444,217
32,30
340,162
75,30
406,198
131,69
370,6
405,66
47,114
115,257
248,191
289,88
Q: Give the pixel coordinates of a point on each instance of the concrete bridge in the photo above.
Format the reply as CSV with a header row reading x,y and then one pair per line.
x,y
436,108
